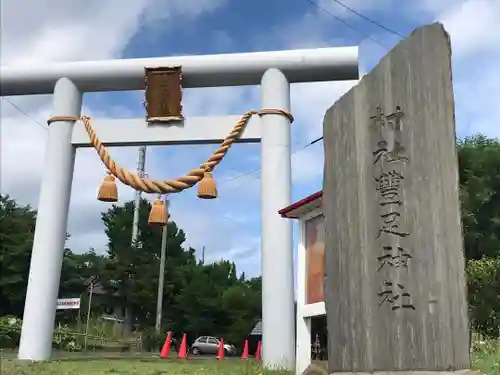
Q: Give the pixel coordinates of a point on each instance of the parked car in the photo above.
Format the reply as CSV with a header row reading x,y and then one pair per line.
x,y
210,345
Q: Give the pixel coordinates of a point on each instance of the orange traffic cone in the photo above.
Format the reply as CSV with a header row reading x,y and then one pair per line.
x,y
166,347
244,355
220,352
258,354
183,349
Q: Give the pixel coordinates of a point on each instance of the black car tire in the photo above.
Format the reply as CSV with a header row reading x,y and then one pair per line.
x,y
196,351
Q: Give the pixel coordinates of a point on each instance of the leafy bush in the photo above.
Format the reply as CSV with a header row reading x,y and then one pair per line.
x,y
151,341
10,332
10,335
484,295
65,339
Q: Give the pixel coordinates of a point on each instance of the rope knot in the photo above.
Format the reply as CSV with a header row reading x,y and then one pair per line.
x,y
276,111
62,118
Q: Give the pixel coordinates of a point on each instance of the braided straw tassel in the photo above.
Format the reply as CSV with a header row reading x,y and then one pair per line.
x,y
158,215
207,188
108,192
202,175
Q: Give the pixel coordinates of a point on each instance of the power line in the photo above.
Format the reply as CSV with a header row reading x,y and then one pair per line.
x,y
25,113
367,18
258,168
238,176
326,11
316,141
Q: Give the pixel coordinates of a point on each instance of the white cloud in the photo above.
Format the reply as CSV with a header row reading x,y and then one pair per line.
x,y
309,104
475,32
474,27
63,30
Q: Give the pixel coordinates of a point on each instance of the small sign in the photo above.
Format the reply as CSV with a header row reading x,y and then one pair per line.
x,y
68,304
163,94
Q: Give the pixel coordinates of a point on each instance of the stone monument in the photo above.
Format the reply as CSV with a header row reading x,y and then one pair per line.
x,y
395,281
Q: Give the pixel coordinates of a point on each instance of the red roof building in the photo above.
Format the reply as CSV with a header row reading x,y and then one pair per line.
x,y
310,271
298,209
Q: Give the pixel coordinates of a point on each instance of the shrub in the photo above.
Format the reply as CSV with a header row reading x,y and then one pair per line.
x,y
151,341
10,335
65,339
10,332
484,295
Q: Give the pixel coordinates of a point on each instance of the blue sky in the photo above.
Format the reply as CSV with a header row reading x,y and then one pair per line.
x,y
229,227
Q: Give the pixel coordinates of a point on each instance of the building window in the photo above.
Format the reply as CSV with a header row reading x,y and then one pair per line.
x,y
315,259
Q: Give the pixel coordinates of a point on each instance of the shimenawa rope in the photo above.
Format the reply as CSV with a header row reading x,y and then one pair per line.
x,y
181,183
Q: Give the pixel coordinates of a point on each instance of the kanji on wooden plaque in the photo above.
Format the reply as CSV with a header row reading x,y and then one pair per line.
x,y
163,94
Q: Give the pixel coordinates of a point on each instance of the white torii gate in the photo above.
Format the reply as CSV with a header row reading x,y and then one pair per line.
x,y
273,71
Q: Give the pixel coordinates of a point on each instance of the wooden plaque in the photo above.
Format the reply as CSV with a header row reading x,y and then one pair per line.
x,y
163,94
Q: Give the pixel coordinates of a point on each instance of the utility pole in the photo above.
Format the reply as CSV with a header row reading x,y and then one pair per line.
x,y
87,324
161,275
203,255
141,165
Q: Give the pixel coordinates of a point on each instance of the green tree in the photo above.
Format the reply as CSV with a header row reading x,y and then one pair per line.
x,y
17,227
479,171
132,271
243,306
77,270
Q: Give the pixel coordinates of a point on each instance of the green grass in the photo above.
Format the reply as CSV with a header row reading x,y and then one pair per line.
x,y
486,360
135,367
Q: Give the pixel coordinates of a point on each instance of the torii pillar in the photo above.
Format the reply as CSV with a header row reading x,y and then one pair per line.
x,y
273,71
